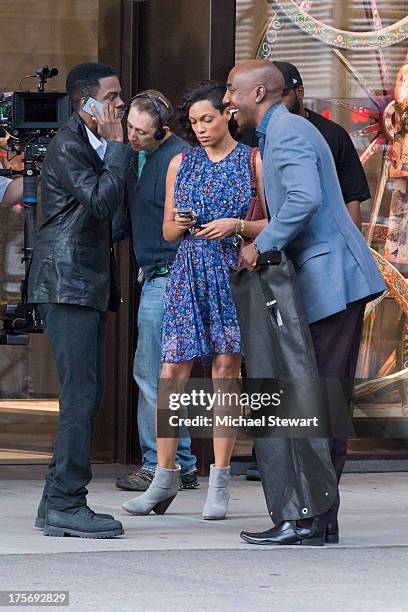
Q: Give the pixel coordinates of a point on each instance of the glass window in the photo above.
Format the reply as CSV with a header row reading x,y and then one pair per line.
x,y
61,34
355,87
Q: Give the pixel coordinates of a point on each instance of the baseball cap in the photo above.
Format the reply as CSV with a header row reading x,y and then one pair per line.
x,y
290,74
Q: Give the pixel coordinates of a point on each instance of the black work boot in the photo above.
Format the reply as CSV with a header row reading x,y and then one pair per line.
x,y
82,522
40,520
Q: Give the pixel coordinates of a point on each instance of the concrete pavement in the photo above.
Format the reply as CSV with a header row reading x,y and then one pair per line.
x,y
179,561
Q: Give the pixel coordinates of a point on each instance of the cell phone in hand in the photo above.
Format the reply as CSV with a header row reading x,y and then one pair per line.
x,y
87,106
185,213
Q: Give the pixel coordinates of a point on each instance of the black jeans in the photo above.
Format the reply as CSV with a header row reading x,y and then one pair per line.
x,y
77,336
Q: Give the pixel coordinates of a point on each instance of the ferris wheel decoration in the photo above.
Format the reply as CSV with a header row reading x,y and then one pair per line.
x,y
379,38
381,113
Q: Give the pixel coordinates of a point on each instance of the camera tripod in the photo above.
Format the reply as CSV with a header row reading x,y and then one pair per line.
x,y
21,319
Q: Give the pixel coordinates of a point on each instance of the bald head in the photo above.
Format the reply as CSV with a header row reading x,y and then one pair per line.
x,y
252,88
260,72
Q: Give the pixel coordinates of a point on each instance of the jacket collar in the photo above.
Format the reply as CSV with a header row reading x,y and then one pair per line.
x,y
76,125
263,127
274,111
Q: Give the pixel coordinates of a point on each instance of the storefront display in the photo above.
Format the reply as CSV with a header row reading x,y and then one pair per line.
x,y
353,58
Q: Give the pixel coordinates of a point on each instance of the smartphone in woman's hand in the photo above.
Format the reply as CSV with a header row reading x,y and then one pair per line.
x,y
185,213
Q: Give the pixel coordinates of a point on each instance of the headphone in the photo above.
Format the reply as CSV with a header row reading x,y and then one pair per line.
x,y
160,133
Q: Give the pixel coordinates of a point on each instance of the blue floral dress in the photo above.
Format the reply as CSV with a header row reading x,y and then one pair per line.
x,y
200,319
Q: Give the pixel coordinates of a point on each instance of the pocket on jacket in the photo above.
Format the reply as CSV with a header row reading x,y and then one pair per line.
x,y
321,248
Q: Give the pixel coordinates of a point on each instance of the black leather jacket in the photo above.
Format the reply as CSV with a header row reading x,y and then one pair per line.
x,y
79,196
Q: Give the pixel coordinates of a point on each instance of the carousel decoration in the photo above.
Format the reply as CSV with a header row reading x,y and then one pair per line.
x,y
388,125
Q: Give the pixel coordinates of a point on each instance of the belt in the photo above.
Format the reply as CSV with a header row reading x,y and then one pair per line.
x,y
161,271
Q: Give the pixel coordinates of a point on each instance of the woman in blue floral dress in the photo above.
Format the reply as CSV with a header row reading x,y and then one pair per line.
x,y
209,189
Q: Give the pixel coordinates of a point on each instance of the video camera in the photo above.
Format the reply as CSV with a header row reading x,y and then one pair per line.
x,y
30,119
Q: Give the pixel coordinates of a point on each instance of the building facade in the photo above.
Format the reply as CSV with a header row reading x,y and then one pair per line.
x,y
349,54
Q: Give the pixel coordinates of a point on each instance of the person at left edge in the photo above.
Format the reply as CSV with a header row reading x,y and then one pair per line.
x,y
82,185
153,146
11,191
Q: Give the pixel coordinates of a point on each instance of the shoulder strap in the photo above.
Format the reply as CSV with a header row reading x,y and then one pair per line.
x,y
252,170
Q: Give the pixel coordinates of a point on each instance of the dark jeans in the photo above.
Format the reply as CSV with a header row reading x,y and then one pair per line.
x,y
77,337
337,340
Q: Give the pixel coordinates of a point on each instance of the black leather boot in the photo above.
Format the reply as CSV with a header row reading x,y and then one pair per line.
x,y
332,532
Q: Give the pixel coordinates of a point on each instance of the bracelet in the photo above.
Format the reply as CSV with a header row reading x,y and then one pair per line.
x,y
256,248
239,227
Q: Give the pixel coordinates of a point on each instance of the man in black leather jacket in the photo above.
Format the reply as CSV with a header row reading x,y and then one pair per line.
x,y
82,185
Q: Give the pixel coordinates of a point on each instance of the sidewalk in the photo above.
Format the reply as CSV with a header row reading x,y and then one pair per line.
x,y
373,552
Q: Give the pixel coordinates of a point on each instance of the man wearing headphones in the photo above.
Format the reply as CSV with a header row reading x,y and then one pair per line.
x,y
153,145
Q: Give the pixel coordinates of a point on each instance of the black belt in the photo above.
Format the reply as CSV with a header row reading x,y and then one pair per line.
x,y
161,271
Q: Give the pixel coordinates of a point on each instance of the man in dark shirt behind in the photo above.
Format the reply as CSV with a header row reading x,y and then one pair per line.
x,y
352,178
154,146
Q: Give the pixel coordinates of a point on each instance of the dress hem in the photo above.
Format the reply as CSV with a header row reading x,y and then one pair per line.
x,y
201,356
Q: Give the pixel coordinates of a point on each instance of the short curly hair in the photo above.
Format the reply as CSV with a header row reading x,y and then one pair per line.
x,y
83,80
214,92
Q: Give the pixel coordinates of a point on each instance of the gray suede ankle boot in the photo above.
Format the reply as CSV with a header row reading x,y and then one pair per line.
x,y
216,504
158,496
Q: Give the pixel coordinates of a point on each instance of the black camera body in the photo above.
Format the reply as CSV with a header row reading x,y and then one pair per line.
x,y
32,118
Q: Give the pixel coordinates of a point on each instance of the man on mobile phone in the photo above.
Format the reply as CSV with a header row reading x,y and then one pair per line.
x,y
82,185
153,146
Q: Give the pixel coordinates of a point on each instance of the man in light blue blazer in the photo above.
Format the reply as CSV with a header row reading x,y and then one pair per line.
x,y
336,273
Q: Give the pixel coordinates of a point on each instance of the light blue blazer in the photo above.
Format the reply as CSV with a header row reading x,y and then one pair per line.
x,y
309,219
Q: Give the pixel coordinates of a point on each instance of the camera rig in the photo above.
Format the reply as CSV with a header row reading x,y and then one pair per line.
x,y
29,119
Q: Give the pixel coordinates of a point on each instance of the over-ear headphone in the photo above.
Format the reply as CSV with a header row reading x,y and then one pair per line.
x,y
155,100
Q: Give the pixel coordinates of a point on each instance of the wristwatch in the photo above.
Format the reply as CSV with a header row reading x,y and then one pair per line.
x,y
256,249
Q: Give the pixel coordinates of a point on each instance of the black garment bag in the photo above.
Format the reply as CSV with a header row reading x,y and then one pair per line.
x,y
297,472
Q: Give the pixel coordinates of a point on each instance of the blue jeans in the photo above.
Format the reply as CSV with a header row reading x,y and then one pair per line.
x,y
146,371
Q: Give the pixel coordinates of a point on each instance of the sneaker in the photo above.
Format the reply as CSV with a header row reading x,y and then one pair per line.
x,y
189,480
135,481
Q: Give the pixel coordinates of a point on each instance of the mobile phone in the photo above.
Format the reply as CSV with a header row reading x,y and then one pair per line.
x,y
185,213
87,106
